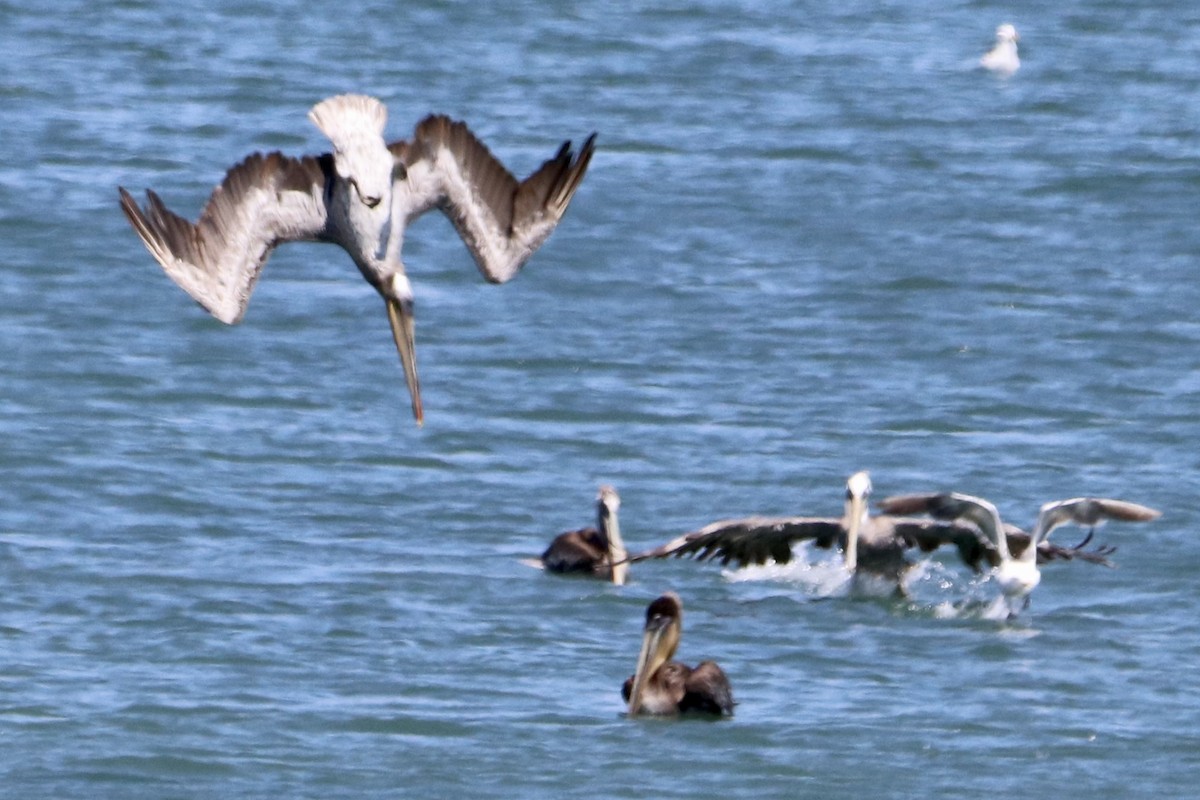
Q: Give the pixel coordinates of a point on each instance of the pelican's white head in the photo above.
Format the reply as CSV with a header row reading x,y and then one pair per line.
x,y
354,124
859,485
1007,33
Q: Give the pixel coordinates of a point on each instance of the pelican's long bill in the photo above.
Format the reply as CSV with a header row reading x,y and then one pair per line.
x,y
401,318
648,660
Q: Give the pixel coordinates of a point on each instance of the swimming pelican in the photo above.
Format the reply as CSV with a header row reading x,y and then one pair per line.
x,y
662,686
1002,58
361,197
1017,573
595,551
872,547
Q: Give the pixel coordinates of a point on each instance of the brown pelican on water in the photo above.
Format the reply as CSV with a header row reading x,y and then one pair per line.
x,y
662,686
1016,571
873,547
595,551
361,197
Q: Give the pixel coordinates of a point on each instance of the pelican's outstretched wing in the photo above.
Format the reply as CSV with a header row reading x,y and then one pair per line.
x,y
930,534
754,540
264,201
502,221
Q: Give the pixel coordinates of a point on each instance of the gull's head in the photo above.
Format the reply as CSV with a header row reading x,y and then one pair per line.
x,y
1007,33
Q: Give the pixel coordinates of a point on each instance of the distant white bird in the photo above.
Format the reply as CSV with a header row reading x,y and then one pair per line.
x,y
361,197
1002,58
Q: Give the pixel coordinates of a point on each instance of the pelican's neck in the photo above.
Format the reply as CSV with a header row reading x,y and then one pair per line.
x,y
856,518
610,528
858,489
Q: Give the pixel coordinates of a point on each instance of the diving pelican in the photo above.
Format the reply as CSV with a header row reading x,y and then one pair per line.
x,y
595,551
361,197
872,547
1017,573
1002,58
662,686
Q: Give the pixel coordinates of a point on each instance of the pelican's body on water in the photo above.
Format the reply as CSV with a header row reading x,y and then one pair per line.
x,y
362,197
597,551
662,686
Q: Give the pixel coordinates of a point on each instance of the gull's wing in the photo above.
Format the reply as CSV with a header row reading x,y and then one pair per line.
x,y
262,202
1089,511
501,220
754,540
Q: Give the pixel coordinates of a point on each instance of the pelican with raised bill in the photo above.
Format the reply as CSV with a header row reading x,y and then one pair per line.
x,y
362,197
1016,571
873,548
596,551
662,686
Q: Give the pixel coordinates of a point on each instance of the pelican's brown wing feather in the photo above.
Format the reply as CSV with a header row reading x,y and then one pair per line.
x,y
930,534
575,551
500,219
707,690
754,540
263,201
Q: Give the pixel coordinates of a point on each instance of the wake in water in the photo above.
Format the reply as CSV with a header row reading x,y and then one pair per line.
x,y
930,586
